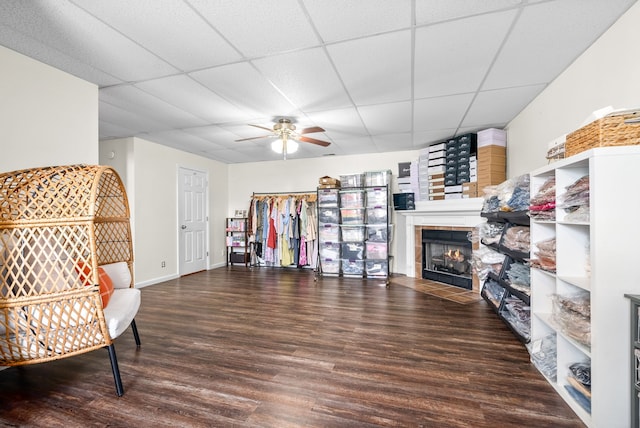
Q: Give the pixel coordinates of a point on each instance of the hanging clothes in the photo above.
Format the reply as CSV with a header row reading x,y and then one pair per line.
x,y
283,231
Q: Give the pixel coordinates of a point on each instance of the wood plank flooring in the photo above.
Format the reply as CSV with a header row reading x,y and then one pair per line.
x,y
233,347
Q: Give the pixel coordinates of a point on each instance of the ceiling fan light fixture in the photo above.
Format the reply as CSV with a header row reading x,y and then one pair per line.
x,y
292,146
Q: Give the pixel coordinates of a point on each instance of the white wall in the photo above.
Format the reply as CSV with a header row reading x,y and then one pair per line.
x,y
47,117
295,175
151,177
606,74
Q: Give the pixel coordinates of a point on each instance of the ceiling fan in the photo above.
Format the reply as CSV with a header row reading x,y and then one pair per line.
x,y
285,132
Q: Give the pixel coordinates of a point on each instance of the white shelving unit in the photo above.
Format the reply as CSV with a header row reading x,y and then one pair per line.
x,y
598,257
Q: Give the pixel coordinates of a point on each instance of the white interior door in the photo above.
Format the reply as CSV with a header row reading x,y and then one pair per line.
x,y
192,220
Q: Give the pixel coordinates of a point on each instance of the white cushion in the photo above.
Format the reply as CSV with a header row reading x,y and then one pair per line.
x,y
119,274
122,309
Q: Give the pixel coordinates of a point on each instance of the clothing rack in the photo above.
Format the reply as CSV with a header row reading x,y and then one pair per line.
x,y
312,195
283,226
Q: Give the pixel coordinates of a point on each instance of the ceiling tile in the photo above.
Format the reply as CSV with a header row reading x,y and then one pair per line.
x,y
430,11
426,138
376,69
108,130
393,142
307,78
496,108
338,20
259,27
72,31
215,134
233,156
350,145
134,100
244,87
170,29
547,38
184,140
440,113
448,61
126,119
343,121
387,118
38,50
191,96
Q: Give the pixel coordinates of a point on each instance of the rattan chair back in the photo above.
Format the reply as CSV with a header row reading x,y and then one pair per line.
x,y
53,222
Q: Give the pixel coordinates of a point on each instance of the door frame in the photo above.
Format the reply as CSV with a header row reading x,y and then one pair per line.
x,y
179,168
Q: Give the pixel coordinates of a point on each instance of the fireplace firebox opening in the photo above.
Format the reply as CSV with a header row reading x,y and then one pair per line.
x,y
446,257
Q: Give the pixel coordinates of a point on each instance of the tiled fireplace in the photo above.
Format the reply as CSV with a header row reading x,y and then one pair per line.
x,y
461,215
446,257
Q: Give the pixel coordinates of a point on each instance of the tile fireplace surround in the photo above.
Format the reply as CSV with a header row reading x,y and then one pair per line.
x,y
455,214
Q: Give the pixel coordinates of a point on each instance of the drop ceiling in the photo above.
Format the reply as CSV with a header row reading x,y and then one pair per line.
x,y
377,75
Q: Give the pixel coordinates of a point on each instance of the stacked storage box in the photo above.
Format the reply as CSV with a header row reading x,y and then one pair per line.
x,y
492,157
437,164
423,175
377,226
329,230
352,213
408,181
352,180
460,153
377,178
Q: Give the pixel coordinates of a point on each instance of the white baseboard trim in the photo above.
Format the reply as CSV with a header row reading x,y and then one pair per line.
x,y
170,277
156,280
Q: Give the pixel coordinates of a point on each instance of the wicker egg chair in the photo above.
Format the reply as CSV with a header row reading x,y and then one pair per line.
x,y
57,226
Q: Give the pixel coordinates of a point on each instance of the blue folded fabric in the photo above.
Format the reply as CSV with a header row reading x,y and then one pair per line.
x,y
583,401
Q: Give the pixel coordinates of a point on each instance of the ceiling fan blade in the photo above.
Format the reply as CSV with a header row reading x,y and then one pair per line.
x,y
254,138
311,130
262,127
314,141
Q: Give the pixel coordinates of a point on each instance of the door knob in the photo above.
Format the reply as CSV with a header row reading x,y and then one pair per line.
x,y
183,227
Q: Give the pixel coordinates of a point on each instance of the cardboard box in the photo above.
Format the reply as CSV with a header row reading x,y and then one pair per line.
x,y
491,168
436,197
434,177
491,152
327,181
470,189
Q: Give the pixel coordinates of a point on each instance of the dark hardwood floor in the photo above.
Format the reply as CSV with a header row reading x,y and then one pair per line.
x,y
233,347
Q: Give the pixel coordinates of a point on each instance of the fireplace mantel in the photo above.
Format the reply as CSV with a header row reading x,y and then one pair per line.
x,y
455,214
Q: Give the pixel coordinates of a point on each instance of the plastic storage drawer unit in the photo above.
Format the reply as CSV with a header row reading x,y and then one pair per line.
x,y
329,232
376,268
352,267
328,215
352,233
353,215
352,198
352,251
376,250
330,266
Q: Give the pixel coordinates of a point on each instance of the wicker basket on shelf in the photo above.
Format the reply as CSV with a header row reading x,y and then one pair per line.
x,y
54,223
616,129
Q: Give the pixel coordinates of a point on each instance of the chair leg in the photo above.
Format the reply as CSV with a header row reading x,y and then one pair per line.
x,y
115,370
136,336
